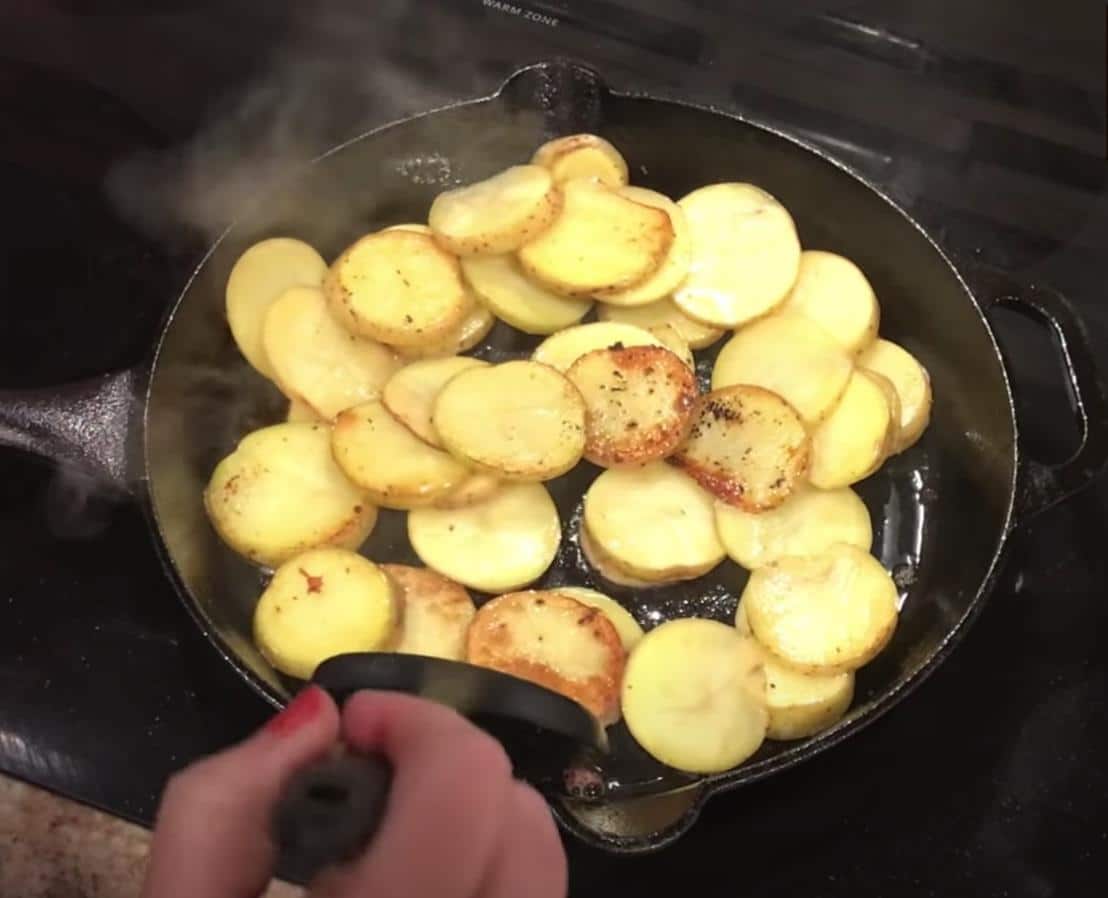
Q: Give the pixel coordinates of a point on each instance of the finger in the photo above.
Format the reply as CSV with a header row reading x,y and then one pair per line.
x,y
212,834
530,859
452,789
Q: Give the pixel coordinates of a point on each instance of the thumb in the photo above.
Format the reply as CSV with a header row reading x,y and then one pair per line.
x,y
212,834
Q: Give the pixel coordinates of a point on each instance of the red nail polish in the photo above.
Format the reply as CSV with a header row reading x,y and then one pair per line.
x,y
300,711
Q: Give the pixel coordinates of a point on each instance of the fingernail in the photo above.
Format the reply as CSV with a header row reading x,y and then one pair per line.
x,y
300,711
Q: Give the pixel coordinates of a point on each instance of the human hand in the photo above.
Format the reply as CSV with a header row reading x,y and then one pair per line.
x,y
457,824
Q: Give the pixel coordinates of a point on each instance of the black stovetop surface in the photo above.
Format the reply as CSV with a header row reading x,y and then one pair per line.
x,y
122,147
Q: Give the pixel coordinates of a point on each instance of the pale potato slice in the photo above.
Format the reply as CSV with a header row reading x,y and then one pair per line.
x,y
833,292
280,492
663,313
394,466
639,402
555,641
655,522
912,384
436,613
626,626
601,242
517,299
675,343
414,227
852,441
604,565
473,329
790,356
475,488
745,254
322,603
809,522
582,156
411,392
301,413
519,420
694,695
499,544
824,613
563,349
316,360
672,272
398,287
497,215
803,704
747,447
261,274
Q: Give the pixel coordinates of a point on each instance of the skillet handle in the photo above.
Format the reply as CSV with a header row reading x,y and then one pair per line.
x,y
1041,486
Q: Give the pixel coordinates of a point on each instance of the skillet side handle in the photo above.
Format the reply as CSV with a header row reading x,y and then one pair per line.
x,y
1041,486
83,427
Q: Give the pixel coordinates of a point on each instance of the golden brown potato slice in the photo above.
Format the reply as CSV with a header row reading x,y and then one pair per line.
x,y
582,156
834,293
436,612
655,522
824,613
555,641
663,313
519,420
280,493
400,288
694,695
394,466
517,299
809,522
411,392
747,447
675,266
501,543
322,603
745,254
639,402
790,356
601,242
852,441
261,274
316,360
473,329
497,215
626,626
561,350
912,384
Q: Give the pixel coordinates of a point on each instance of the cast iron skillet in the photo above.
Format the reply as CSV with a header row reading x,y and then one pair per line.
x,y
943,511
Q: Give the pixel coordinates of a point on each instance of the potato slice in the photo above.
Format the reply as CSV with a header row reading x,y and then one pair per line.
x,y
852,441
301,413
517,299
790,356
280,492
400,288
824,613
626,626
833,292
518,420
555,641
745,254
655,522
600,243
414,227
411,392
747,447
664,312
694,695
261,274
675,343
605,566
674,268
316,360
497,215
322,603
563,349
912,384
473,329
639,403
436,612
582,156
809,522
475,488
394,466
